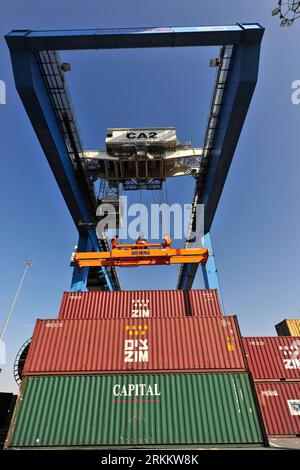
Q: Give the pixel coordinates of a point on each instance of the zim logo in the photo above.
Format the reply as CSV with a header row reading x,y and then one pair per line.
x,y
136,348
293,361
141,135
140,309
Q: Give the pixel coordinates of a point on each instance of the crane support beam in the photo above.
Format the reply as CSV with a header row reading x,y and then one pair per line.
x,y
80,276
230,103
210,272
237,98
123,38
34,94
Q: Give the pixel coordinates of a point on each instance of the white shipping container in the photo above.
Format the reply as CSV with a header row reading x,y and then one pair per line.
x,y
164,137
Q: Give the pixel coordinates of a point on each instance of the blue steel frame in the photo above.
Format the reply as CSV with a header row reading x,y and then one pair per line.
x,y
210,272
79,278
24,46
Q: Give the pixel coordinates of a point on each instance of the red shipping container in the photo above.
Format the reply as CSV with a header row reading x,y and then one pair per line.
x,y
141,304
123,345
273,357
280,406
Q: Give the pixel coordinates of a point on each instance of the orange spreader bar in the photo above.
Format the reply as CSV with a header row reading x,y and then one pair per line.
x,y
142,253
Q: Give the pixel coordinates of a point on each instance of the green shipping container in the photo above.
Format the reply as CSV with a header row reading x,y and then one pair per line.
x,y
215,409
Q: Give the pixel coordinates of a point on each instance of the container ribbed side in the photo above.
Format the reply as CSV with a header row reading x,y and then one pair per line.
x,y
139,304
154,409
280,406
273,357
135,345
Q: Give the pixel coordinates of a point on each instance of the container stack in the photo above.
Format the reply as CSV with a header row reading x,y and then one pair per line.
x,y
275,366
289,327
139,368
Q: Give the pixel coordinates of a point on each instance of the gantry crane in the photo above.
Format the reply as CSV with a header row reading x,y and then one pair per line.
x,y
41,82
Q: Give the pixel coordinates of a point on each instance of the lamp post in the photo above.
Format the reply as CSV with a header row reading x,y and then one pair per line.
x,y
27,263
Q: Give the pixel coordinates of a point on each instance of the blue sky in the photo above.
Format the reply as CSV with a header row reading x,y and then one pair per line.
x,y
256,228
